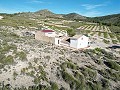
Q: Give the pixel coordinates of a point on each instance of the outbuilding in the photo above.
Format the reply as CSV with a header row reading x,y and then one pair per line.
x,y
79,41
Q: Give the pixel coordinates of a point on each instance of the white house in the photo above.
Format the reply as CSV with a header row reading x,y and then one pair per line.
x,y
61,39
79,41
49,33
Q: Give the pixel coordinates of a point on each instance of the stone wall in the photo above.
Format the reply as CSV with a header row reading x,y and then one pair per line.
x,y
41,36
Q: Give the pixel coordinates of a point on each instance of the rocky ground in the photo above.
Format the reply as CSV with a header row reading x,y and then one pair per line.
x,y
26,62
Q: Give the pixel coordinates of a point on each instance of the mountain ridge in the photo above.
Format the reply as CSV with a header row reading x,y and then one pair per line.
x,y
107,19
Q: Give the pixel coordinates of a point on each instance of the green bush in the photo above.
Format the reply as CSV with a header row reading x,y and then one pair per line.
x,y
9,60
22,55
114,41
106,41
15,74
6,60
94,86
110,74
105,84
36,80
113,65
71,32
99,33
71,65
74,84
111,35
89,73
54,86
105,35
118,37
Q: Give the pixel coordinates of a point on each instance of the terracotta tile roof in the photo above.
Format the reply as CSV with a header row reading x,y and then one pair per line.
x,y
47,31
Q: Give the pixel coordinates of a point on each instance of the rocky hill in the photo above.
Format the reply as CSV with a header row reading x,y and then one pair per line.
x,y
47,13
70,16
74,16
108,20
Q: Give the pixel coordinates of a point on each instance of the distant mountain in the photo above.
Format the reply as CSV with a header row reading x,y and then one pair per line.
x,y
47,13
109,19
74,16
44,12
70,16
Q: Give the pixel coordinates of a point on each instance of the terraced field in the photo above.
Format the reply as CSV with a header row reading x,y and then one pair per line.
x,y
102,32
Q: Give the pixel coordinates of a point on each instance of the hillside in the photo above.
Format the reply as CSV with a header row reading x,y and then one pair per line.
x,y
26,63
108,20
74,16
47,13
29,64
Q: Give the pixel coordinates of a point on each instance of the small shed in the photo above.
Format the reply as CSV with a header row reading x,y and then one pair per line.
x,y
79,41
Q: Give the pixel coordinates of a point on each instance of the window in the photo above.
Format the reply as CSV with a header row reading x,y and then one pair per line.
x,y
49,33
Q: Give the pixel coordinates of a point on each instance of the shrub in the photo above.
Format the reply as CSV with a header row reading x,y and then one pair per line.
x,y
71,32
36,80
6,60
2,57
94,86
88,73
15,75
111,35
106,41
74,83
99,33
9,60
47,57
6,48
54,86
70,65
110,74
112,65
114,41
105,35
22,55
105,83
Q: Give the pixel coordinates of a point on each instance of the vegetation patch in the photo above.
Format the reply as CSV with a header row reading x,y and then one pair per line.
x,y
114,41
110,74
21,55
106,41
112,65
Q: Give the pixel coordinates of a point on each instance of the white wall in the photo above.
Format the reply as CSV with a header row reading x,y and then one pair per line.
x,y
73,43
82,42
57,41
50,34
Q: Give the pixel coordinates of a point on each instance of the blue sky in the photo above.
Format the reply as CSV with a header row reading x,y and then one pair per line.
x,y
89,8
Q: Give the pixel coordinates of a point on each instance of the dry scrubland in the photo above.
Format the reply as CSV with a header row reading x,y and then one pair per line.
x,y
34,65
28,64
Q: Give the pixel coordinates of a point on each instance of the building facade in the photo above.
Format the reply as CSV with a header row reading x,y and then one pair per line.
x,y
61,39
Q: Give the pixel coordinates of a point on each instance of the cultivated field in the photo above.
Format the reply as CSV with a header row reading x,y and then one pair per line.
x,y
101,32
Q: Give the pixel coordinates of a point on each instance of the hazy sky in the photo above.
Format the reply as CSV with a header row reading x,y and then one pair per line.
x,y
84,7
